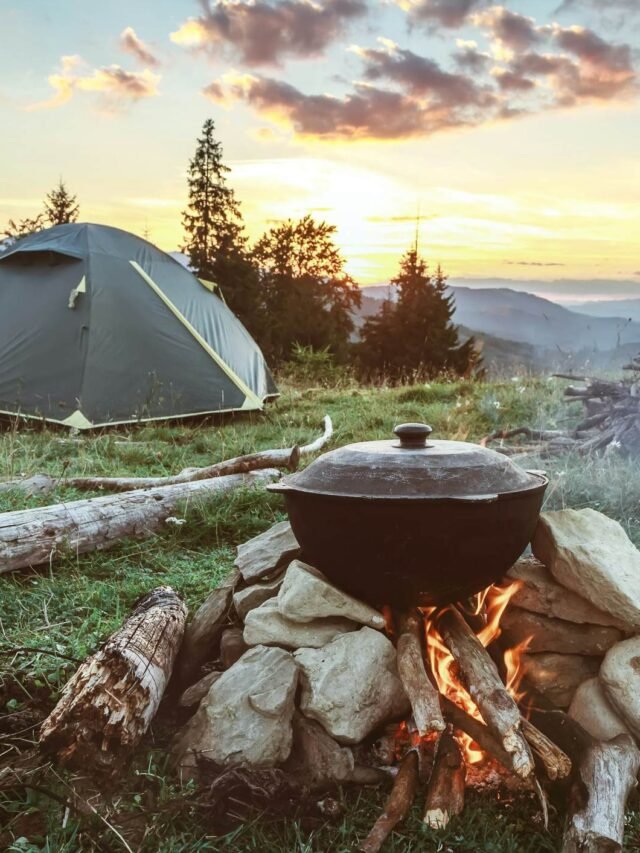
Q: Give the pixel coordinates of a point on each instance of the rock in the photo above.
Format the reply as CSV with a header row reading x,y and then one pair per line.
x,y
558,676
556,635
194,694
593,556
591,708
245,718
306,594
203,633
316,759
351,685
253,596
232,647
620,679
540,593
265,553
267,626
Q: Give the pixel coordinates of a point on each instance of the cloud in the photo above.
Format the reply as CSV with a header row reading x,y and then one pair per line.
x,y
468,57
444,13
590,48
511,30
510,81
131,43
536,263
264,33
116,86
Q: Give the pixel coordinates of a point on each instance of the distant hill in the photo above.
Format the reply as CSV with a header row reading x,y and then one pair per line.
x,y
625,309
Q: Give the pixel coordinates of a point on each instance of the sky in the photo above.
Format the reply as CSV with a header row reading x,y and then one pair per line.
x,y
507,136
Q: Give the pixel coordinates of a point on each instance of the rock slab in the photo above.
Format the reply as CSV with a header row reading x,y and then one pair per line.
x,y
195,694
591,708
245,718
267,552
306,594
620,679
556,635
558,676
593,556
351,686
267,626
253,596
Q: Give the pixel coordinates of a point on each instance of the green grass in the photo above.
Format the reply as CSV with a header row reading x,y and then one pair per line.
x,y
70,607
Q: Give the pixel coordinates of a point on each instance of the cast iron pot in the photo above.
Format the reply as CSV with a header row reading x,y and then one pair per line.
x,y
411,521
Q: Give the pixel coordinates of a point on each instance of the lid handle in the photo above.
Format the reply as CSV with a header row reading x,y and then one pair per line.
x,y
413,435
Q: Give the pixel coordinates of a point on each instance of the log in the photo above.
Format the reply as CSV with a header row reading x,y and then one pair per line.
x,y
398,804
476,730
607,775
423,696
556,763
481,678
445,792
108,705
32,537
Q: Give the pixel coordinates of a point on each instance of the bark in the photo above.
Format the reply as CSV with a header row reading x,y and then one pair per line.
x,y
607,775
397,806
445,792
556,763
109,703
481,678
423,696
32,537
476,730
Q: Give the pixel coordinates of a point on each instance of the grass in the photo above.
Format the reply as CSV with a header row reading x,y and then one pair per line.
x,y
67,609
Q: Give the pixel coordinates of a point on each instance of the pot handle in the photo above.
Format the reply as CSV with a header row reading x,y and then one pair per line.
x,y
278,487
413,436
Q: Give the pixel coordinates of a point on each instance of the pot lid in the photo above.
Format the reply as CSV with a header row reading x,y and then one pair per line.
x,y
412,466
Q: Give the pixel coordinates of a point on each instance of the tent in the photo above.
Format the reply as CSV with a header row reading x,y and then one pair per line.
x,y
98,326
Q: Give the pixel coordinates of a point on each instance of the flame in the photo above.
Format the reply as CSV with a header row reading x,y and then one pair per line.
x,y
493,601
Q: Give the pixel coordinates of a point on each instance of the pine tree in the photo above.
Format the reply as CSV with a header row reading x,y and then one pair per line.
x,y
60,207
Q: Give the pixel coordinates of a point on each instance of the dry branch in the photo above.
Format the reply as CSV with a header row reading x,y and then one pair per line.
x,y
397,806
445,793
476,730
556,763
482,680
596,817
423,696
31,537
109,703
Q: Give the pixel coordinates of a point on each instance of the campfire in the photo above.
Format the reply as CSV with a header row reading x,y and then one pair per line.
x,y
296,687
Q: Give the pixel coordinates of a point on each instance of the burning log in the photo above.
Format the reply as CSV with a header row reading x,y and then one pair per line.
x,y
607,775
445,793
423,696
398,804
482,680
108,705
476,730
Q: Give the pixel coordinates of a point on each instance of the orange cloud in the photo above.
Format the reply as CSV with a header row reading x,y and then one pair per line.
x,y
131,43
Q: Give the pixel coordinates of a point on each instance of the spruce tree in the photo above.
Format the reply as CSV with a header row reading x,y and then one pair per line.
x,y
60,207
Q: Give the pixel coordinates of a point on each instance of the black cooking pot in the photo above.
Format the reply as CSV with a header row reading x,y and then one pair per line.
x,y
413,522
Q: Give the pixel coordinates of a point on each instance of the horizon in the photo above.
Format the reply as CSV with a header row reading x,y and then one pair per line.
x,y
510,131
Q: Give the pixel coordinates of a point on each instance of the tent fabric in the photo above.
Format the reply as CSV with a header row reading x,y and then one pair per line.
x,y
98,327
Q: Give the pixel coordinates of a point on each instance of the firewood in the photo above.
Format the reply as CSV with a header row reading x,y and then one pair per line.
x,y
481,678
556,763
476,730
423,696
108,705
445,792
397,806
31,537
607,774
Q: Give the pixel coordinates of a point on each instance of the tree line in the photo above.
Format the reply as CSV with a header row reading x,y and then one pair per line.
x,y
291,289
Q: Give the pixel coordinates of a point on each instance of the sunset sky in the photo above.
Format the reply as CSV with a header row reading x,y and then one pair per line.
x,y
513,130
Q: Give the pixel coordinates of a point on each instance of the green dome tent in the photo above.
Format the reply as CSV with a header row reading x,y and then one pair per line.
x,y
100,327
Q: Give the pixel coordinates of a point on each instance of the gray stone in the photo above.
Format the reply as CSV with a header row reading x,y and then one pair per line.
x,y
316,759
306,595
540,593
194,694
620,679
351,686
267,552
254,595
558,676
593,556
245,718
556,635
232,647
267,626
591,708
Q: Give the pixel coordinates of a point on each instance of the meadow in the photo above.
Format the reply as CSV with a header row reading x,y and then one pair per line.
x,y
56,615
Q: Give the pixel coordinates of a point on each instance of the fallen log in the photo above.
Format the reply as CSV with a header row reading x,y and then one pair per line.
x,y
607,774
398,804
423,696
482,680
445,792
32,537
108,705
